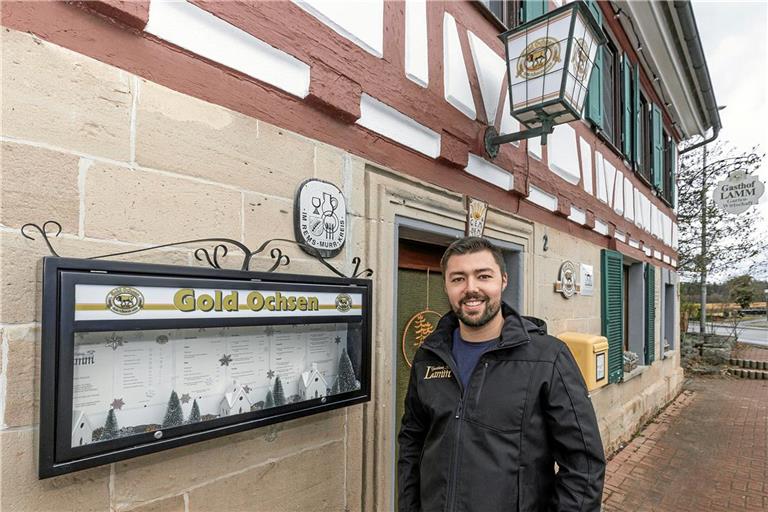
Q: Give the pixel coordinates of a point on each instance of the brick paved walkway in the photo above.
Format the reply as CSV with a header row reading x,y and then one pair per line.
x,y
706,452
750,352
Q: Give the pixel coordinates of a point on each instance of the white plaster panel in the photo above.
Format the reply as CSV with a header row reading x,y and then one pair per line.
x,y
638,208
634,243
674,235
578,215
508,123
666,259
562,155
654,229
646,212
656,254
610,179
620,235
416,42
601,227
456,80
385,120
618,193
534,147
200,32
586,165
673,262
490,73
666,224
602,195
648,251
486,171
361,21
629,199
541,198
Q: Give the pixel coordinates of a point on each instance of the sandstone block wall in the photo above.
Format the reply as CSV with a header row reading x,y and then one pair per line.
x,y
122,163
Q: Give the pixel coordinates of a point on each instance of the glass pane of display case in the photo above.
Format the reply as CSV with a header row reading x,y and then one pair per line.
x,y
131,382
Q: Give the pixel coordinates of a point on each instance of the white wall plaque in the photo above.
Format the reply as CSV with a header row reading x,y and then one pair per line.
x,y
320,217
587,279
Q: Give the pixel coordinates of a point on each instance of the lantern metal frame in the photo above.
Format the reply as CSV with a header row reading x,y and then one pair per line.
x,y
545,120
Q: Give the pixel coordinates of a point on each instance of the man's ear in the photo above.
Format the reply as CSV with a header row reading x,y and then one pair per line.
x,y
504,281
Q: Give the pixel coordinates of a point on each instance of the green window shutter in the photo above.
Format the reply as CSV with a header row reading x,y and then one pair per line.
x,y
627,121
612,309
638,143
650,314
657,136
532,9
596,12
595,91
673,170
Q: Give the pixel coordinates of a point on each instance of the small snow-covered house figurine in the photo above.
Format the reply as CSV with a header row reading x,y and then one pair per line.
x,y
312,384
82,431
235,401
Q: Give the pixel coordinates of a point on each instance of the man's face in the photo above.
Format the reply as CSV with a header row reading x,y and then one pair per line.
x,y
474,283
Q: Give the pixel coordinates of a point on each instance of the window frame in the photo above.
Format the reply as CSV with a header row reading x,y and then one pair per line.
x,y
511,15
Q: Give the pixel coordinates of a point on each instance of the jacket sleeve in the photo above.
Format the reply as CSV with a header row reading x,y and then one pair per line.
x,y
575,438
413,431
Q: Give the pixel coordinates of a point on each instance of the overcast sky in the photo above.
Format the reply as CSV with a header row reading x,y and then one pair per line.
x,y
735,39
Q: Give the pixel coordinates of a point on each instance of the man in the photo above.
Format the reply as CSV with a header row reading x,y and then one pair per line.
x,y
493,402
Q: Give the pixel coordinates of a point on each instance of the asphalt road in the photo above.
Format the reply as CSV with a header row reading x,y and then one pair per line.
x,y
745,334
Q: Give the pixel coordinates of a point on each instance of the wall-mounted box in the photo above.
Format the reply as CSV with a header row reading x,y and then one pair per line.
x,y
138,358
591,354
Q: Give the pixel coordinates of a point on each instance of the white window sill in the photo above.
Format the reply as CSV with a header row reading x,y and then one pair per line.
x,y
634,373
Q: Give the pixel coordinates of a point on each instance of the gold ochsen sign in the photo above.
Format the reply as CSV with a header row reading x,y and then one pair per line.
x,y
186,300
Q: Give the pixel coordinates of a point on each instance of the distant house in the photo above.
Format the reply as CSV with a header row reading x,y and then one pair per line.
x,y
312,384
235,401
82,430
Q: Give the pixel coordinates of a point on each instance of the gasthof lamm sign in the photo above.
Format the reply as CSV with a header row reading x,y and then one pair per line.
x,y
738,192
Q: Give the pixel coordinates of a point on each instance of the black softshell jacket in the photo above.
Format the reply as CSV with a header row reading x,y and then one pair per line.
x,y
493,446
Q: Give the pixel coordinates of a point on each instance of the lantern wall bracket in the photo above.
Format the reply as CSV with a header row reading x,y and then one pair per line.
x,y
493,140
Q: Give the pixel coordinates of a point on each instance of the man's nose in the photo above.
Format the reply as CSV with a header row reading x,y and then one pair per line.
x,y
472,284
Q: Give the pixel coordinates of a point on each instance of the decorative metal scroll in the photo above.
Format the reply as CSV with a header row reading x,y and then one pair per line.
x,y
212,257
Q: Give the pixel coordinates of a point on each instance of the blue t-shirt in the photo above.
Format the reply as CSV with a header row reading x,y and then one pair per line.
x,y
466,354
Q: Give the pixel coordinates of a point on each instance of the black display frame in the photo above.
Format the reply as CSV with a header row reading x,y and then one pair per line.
x,y
60,275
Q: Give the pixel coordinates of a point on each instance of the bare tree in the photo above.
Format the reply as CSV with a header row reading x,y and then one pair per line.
x,y
710,240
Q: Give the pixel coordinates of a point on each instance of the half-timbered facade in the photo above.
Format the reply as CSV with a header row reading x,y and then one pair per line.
x,y
142,123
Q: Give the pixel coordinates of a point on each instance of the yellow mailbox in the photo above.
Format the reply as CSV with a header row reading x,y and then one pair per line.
x,y
591,354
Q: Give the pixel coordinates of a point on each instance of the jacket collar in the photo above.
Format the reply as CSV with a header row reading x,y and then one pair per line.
x,y
514,331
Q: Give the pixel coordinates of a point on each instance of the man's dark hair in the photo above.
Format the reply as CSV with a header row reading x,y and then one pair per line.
x,y
471,244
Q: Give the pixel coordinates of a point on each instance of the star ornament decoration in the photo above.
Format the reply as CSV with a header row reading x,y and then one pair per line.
x,y
270,374
337,340
225,359
117,404
185,398
247,388
114,341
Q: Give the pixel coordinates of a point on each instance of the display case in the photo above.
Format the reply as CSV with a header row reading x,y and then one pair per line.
x,y
138,358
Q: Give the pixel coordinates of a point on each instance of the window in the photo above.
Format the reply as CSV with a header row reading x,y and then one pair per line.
x,y
670,160
508,12
644,153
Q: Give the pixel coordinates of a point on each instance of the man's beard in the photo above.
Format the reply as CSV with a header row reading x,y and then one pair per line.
x,y
491,309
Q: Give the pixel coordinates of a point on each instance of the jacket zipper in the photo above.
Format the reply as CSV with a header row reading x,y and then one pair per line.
x,y
482,381
451,504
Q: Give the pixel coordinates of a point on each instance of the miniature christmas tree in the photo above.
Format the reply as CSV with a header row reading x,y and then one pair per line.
x,y
111,429
278,394
346,380
269,401
194,415
173,414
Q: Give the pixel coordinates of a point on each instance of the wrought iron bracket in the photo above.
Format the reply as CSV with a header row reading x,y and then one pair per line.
x,y
212,257
493,140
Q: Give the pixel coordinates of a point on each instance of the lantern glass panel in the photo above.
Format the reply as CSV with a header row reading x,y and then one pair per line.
x,y
551,60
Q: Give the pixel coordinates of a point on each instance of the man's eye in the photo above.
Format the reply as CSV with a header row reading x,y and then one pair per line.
x,y
457,279
486,276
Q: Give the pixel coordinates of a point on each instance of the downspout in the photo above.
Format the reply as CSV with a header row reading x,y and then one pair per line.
x,y
693,43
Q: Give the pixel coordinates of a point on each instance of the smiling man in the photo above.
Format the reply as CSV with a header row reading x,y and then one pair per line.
x,y
493,402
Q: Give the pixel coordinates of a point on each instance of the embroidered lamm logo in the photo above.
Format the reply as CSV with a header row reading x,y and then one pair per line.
x,y
437,372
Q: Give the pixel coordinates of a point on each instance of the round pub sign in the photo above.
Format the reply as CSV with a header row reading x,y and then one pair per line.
x,y
738,192
320,217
